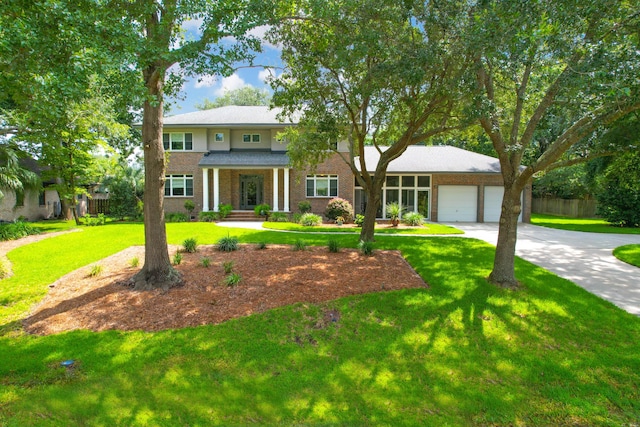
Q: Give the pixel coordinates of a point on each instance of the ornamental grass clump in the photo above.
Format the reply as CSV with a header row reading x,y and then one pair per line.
x,y
333,245
366,248
310,220
190,245
227,244
413,219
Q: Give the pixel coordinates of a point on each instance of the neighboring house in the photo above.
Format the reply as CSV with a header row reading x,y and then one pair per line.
x,y
233,155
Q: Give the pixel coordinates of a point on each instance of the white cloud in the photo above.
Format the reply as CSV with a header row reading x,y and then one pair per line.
x,y
230,83
193,25
261,33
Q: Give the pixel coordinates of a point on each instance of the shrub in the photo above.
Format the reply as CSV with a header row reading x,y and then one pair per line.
x,y
619,204
278,217
413,219
134,262
228,266
232,279
189,206
96,270
262,210
190,245
261,245
92,222
310,220
299,245
205,262
224,210
208,216
228,244
366,248
304,206
333,245
339,207
296,217
17,230
394,210
176,217
359,220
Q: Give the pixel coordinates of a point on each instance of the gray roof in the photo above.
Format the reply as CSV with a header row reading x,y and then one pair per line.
x,y
229,116
245,159
427,159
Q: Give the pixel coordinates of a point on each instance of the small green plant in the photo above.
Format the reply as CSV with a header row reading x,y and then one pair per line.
x,y
190,245
90,221
394,211
310,220
359,220
134,262
177,258
209,216
304,206
413,219
278,217
17,230
261,245
262,209
227,244
333,245
205,262
366,248
189,206
296,217
232,279
96,270
176,217
224,210
228,266
299,245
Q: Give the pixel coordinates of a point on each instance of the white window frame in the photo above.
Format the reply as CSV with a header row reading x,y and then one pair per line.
x,y
322,177
416,188
251,138
169,185
168,145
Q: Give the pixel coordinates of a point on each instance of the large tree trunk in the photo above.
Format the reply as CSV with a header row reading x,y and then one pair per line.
x,y
65,209
503,273
157,271
373,201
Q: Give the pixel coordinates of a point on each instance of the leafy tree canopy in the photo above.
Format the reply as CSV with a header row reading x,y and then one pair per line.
x,y
246,95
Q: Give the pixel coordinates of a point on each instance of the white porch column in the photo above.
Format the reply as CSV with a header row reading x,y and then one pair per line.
x,y
205,190
286,190
275,190
216,189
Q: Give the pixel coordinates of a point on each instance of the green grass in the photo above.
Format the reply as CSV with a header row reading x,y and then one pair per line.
x,y
591,225
53,225
628,253
429,228
461,352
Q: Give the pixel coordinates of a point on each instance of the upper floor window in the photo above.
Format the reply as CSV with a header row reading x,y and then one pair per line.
x,y
322,185
178,185
251,137
177,141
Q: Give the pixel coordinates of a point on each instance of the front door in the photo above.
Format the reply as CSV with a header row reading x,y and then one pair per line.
x,y
251,191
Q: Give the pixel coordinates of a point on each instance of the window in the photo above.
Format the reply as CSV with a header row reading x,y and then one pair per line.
x,y
178,185
219,137
19,199
322,186
177,141
251,137
411,191
41,198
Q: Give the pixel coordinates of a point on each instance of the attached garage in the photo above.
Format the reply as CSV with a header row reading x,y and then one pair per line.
x,y
458,203
493,203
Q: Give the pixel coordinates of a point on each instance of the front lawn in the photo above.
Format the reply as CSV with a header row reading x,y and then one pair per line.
x,y
459,353
591,225
427,228
629,254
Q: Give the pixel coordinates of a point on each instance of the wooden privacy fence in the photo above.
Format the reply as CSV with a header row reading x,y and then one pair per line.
x,y
575,208
97,206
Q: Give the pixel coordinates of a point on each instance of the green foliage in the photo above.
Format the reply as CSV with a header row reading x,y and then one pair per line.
x,y
333,245
227,244
96,270
339,207
413,219
90,221
13,176
205,262
134,262
296,217
228,266
189,206
17,230
278,217
190,245
233,279
587,225
430,228
299,245
304,206
177,258
310,220
125,187
225,210
394,210
208,216
262,210
261,245
619,191
246,95
366,248
359,219
176,217
563,183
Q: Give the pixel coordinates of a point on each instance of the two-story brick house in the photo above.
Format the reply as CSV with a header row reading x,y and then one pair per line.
x,y
233,155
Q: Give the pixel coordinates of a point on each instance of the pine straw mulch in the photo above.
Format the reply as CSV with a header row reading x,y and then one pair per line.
x,y
272,277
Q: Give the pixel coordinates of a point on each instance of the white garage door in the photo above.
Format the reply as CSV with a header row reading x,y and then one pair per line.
x,y
457,203
493,203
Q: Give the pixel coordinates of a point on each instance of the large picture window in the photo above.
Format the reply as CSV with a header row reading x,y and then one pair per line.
x,y
322,186
410,191
177,141
178,185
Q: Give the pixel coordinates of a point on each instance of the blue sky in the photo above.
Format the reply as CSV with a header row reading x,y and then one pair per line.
x,y
196,90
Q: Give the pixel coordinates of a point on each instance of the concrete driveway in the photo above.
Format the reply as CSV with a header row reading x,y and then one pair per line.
x,y
584,258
